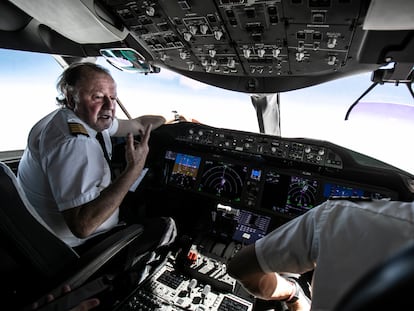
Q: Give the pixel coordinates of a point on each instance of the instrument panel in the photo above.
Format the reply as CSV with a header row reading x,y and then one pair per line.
x,y
196,169
284,192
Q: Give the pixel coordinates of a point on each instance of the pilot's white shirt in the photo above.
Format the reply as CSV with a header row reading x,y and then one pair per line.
x,y
63,168
345,238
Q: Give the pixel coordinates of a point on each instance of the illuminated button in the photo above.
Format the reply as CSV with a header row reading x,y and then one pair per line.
x,y
212,53
150,11
187,36
331,60
261,52
300,56
275,53
183,55
218,34
246,53
193,29
203,29
331,42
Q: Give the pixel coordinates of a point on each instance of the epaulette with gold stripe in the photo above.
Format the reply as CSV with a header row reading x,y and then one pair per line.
x,y
77,128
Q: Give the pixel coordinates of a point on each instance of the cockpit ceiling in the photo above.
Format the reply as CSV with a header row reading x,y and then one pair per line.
x,y
256,45
244,45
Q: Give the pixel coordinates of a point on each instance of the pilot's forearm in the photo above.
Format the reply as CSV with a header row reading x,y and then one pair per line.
x,y
136,126
155,120
85,219
245,268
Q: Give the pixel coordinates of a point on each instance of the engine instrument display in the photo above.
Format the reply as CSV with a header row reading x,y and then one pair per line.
x,y
338,191
335,191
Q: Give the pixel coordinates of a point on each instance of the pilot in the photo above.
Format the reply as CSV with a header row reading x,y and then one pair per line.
x,y
65,170
339,241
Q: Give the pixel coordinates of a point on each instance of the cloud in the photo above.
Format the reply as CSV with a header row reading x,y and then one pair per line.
x,y
167,74
182,80
193,84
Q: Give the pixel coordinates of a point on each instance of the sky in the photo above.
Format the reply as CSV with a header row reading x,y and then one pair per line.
x,y
27,86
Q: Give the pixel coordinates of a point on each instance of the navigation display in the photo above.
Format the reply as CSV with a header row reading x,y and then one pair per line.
x,y
223,180
301,194
289,195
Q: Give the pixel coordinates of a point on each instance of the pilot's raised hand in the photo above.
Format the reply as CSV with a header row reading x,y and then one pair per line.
x,y
136,152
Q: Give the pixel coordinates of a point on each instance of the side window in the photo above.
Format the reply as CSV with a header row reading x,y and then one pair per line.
x,y
27,86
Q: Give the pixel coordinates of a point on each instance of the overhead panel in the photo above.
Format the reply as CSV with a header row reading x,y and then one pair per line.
x,y
250,41
259,38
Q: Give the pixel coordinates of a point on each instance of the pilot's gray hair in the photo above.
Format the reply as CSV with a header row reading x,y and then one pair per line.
x,y
66,83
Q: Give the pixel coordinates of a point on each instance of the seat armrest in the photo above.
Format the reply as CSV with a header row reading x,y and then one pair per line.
x,y
101,253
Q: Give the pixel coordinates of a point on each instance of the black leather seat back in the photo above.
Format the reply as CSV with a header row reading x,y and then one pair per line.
x,y
24,232
387,287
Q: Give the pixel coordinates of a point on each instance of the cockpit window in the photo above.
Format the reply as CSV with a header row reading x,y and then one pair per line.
x,y
165,92
377,126
27,84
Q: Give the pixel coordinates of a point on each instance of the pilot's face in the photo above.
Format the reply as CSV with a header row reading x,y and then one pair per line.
x,y
95,101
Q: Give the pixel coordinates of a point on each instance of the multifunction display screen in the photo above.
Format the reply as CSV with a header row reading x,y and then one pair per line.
x,y
250,227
